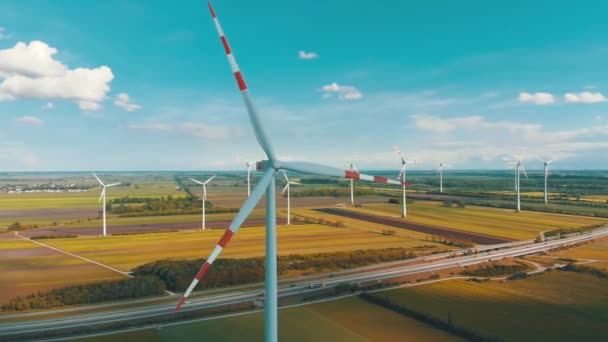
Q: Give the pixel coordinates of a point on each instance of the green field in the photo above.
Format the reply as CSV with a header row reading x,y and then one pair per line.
x,y
349,319
26,267
554,306
127,251
484,220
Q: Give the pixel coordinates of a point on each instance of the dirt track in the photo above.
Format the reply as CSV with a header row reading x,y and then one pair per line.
x,y
422,228
140,228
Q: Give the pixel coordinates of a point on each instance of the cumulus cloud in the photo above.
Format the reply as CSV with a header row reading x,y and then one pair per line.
x,y
4,34
152,126
341,91
536,98
48,106
123,101
584,97
307,55
30,71
30,120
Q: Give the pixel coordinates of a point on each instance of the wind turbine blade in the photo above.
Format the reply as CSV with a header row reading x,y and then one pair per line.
x,y
401,172
285,188
195,181
209,180
99,180
285,175
523,169
113,184
323,170
102,193
246,209
258,128
398,152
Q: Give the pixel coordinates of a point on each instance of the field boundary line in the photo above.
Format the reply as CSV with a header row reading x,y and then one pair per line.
x,y
75,255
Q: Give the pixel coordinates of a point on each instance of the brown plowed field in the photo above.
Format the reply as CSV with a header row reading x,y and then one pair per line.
x,y
422,228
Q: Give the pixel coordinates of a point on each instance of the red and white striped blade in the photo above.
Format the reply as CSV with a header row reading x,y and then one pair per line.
x,y
323,170
246,209
258,128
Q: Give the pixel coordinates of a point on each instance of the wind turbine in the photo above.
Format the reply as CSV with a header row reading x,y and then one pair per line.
x,y
265,185
286,188
440,172
518,165
204,184
249,164
404,163
103,197
546,172
351,167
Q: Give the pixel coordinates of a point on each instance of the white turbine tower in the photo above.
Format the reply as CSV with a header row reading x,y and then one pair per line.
x,y
518,165
103,198
350,166
440,172
249,164
204,184
265,185
546,164
286,188
404,163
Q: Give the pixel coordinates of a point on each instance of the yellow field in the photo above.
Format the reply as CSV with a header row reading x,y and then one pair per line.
x,y
595,198
555,306
27,268
597,250
492,221
349,319
127,251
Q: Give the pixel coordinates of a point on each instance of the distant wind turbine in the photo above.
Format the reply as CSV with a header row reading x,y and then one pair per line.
x,y
204,184
351,167
404,163
265,185
518,165
440,172
546,172
103,198
286,188
249,164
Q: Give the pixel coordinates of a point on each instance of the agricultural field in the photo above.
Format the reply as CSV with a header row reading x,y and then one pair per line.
x,y
27,267
553,306
596,250
128,251
348,319
483,220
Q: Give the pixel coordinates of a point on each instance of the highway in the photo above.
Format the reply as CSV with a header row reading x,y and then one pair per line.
x,y
365,274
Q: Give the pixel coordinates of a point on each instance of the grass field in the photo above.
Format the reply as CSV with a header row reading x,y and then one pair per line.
x,y
27,268
598,250
554,306
349,319
126,252
484,220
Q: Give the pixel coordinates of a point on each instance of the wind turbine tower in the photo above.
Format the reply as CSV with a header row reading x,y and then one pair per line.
x,y
103,198
204,184
286,188
402,173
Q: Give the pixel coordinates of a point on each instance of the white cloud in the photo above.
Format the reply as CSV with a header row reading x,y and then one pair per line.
x,y
341,91
123,101
307,55
3,34
584,97
30,71
48,106
30,120
536,98
205,131
152,126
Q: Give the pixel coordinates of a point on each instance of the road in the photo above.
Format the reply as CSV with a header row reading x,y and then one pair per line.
x,y
366,274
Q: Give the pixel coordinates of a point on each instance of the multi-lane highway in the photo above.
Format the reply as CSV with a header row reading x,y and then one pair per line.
x,y
296,286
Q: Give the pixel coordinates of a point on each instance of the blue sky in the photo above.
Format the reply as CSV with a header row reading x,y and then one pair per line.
x,y
145,85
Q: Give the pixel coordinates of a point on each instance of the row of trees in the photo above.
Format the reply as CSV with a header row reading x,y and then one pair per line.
x,y
89,293
177,274
495,270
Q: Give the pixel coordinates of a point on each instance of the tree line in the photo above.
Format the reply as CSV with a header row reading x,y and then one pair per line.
x,y
88,293
177,274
